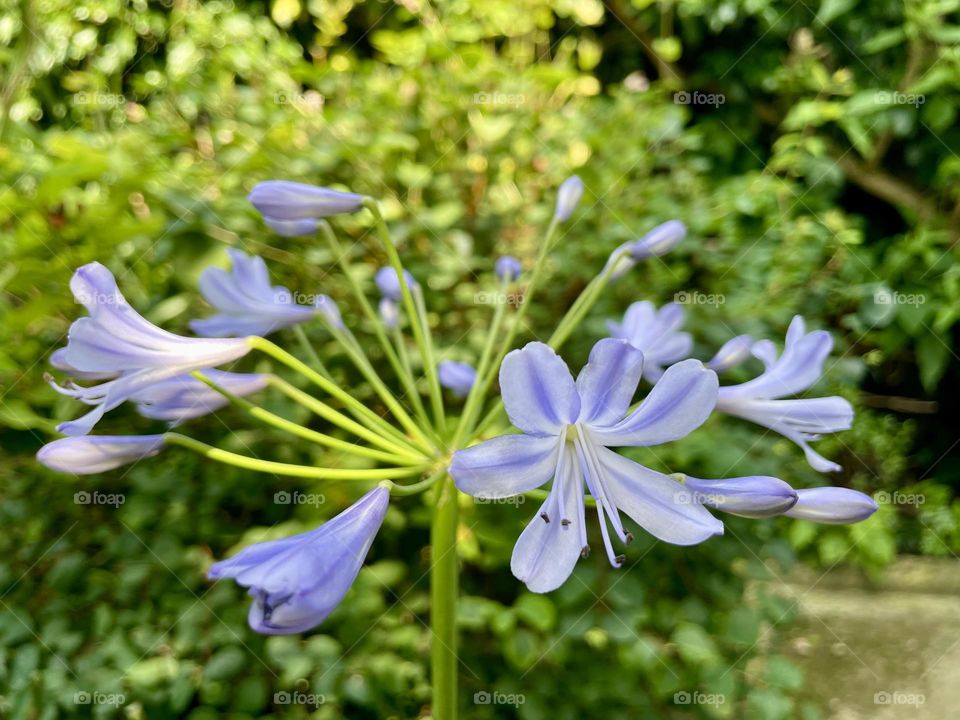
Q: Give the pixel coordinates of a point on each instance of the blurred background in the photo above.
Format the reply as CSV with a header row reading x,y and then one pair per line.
x,y
811,149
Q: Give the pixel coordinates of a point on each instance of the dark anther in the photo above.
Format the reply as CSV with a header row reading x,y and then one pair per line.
x,y
620,559
545,518
564,522
585,552
629,538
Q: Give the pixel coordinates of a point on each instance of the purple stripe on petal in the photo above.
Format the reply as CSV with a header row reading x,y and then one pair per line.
x,y
505,466
538,391
608,381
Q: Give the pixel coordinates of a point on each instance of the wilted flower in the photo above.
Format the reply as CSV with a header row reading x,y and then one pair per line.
x,y
457,376
388,283
249,305
96,453
285,200
507,268
832,505
292,228
568,428
799,367
568,196
185,397
297,581
656,333
116,339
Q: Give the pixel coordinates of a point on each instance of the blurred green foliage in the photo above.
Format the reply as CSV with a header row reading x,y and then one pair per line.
x,y
823,183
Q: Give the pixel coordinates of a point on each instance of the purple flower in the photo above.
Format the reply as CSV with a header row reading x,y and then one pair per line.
x,y
659,241
457,376
799,367
388,283
291,228
734,352
656,333
568,428
389,313
296,582
184,397
59,361
755,496
833,505
568,197
284,200
96,453
507,268
249,305
116,339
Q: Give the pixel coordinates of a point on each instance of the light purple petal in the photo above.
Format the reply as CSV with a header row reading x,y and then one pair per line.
x,y
184,397
832,505
608,381
754,496
505,466
388,283
677,405
659,241
734,352
291,228
456,376
538,391
507,268
285,200
98,453
568,197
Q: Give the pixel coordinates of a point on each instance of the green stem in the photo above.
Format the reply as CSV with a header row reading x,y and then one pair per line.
x,y
444,580
279,468
310,351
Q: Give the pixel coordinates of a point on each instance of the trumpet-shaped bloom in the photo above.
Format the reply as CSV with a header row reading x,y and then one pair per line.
x,y
249,305
799,367
568,197
292,228
456,376
388,283
184,397
734,352
296,582
116,339
507,268
285,200
90,454
568,428
832,505
656,333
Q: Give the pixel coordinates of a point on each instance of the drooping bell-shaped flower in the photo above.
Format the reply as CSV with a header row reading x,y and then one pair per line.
x,y
292,228
458,377
734,352
285,200
296,582
832,505
655,333
568,428
90,454
388,283
507,268
798,368
248,304
568,197
185,397
116,339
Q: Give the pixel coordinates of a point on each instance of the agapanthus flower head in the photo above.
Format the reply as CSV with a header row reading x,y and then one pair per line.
x,y
734,352
292,228
388,283
568,428
568,197
832,505
184,397
458,377
248,304
389,313
656,333
116,339
285,200
799,367
296,582
90,454
507,268
659,241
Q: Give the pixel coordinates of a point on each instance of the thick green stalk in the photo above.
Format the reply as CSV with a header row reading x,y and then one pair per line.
x,y
310,351
444,587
